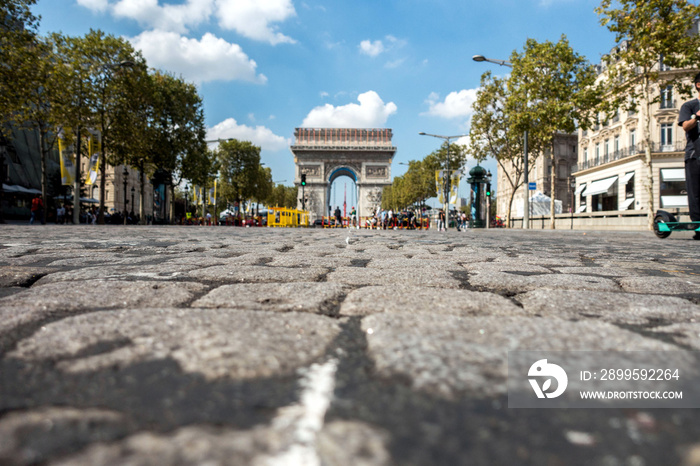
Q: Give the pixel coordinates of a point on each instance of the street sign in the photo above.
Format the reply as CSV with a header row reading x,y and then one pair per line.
x,y
532,185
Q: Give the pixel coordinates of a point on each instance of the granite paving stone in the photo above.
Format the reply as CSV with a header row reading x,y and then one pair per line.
x,y
267,343
101,294
117,272
639,309
36,436
521,281
318,298
417,299
255,346
418,276
21,276
689,284
258,274
448,355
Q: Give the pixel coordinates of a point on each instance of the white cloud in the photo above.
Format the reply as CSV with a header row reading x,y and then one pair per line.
x,y
260,135
372,112
456,104
252,18
323,94
94,5
208,59
394,63
371,48
174,18
374,48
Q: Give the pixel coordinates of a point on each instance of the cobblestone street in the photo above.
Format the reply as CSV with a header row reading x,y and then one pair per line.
x,y
194,345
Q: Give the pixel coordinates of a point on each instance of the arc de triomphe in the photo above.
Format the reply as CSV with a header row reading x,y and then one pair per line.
x,y
324,154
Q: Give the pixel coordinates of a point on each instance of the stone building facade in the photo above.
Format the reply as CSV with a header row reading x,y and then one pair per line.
x,y
324,154
564,150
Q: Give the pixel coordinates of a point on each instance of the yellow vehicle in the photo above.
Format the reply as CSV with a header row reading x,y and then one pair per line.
x,y
283,217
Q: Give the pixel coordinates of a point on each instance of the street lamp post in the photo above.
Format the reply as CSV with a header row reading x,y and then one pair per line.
x,y
447,173
488,199
133,190
186,199
572,185
526,211
126,201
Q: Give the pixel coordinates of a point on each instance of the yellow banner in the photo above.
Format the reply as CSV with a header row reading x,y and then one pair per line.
x,y
95,146
212,194
66,160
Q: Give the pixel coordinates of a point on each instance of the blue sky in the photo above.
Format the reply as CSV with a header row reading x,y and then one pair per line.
x,y
264,67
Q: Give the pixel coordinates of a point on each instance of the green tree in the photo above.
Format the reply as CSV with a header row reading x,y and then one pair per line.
x,y
240,165
177,127
493,135
263,185
111,62
649,33
552,90
44,100
18,35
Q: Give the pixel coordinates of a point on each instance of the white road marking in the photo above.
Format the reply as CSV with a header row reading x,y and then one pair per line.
x,y
304,420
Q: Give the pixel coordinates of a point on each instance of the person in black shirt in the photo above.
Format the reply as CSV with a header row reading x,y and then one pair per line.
x,y
688,119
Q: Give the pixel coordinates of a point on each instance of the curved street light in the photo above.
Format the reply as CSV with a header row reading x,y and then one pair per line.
x,y
447,172
526,210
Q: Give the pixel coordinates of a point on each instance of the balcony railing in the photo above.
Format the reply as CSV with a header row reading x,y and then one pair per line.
x,y
678,146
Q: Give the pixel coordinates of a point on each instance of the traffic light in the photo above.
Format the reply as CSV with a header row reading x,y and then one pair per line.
x,y
303,179
488,189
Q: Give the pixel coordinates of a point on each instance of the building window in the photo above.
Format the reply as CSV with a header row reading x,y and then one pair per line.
x,y
581,198
585,155
633,139
607,147
616,144
629,185
597,152
666,137
107,195
667,97
603,194
672,190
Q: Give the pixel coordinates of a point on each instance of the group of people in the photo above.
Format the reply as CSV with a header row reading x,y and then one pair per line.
x,y
461,220
383,219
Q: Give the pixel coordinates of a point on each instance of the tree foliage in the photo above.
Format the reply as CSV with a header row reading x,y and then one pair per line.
x,y
239,163
18,34
551,89
649,33
418,183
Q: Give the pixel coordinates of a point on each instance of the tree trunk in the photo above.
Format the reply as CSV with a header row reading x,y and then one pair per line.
x,y
649,185
142,204
103,180
510,207
553,188
171,209
44,175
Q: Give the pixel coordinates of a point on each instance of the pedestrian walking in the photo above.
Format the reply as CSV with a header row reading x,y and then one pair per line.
x,y
37,209
441,220
688,119
338,217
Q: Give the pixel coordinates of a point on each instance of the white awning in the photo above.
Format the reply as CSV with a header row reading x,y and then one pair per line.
x,y
626,178
600,186
580,188
673,174
581,209
14,188
626,205
674,201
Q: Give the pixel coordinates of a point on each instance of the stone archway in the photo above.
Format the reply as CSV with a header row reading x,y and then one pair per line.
x,y
324,154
